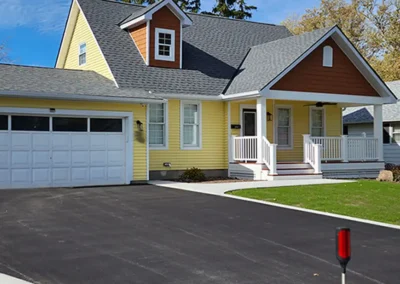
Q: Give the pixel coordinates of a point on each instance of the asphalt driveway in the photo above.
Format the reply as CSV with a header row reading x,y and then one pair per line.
x,y
147,234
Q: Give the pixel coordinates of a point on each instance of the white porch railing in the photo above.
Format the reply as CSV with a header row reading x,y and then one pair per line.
x,y
269,156
244,149
347,149
312,154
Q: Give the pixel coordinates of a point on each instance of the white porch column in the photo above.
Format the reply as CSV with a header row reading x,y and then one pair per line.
x,y
378,129
261,126
230,140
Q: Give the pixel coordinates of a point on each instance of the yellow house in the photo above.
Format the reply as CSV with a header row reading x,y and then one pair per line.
x,y
141,93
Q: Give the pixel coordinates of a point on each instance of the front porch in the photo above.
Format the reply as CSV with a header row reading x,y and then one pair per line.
x,y
274,139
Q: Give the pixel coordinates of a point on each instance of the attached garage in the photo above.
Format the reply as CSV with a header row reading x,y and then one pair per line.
x,y
53,148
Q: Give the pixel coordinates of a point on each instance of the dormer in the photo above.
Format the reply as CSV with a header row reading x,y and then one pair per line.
x,y
157,33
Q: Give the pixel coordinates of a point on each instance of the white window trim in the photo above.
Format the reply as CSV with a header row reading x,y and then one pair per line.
x,y
156,49
327,56
323,122
79,53
199,107
280,147
166,136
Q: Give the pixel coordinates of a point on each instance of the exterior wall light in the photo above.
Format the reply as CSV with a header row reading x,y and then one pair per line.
x,y
139,125
269,116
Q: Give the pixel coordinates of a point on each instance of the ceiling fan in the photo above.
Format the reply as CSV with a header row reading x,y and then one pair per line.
x,y
321,104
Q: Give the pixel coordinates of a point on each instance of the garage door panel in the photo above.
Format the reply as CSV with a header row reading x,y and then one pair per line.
x,y
80,141
79,158
61,176
98,142
115,142
4,160
41,159
97,175
115,158
21,141
60,141
20,159
61,158
41,141
21,176
4,141
4,177
115,174
98,158
41,176
80,175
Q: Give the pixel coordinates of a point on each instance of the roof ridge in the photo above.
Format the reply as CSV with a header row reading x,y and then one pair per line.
x,y
230,19
43,67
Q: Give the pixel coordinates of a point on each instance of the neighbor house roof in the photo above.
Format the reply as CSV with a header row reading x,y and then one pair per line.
x,y
16,80
266,61
365,114
213,49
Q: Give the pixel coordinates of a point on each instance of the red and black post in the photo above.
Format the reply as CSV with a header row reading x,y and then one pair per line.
x,y
343,249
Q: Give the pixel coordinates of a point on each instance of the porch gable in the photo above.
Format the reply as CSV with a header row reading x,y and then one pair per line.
x,y
310,75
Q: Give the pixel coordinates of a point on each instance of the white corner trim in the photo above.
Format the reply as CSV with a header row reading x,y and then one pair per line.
x,y
97,43
181,47
324,97
148,27
200,110
157,56
166,128
147,144
275,131
311,108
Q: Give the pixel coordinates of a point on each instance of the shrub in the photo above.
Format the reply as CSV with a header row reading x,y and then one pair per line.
x,y
193,175
390,167
396,174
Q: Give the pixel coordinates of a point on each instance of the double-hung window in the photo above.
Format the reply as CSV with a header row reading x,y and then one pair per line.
x,y
158,125
190,125
165,45
82,54
284,127
317,123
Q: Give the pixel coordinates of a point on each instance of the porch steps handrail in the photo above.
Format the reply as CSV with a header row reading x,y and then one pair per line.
x,y
312,153
269,155
244,148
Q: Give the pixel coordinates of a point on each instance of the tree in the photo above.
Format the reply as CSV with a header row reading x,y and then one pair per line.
x,y
372,26
3,54
237,9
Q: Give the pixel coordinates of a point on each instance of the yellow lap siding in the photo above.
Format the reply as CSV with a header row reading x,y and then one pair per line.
x,y
94,59
213,154
300,126
139,113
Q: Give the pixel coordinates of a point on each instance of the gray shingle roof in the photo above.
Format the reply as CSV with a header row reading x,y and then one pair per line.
x,y
140,12
266,61
365,114
213,49
40,80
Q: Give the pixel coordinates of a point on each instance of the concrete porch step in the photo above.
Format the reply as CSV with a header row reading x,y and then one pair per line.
x,y
296,171
293,165
295,177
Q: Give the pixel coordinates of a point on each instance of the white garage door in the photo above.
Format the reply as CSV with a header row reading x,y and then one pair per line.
x,y
52,151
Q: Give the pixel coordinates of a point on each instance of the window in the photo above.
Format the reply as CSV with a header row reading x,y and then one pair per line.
x,y
328,56
158,125
82,54
190,125
72,124
317,122
105,125
30,123
165,45
396,133
3,122
284,127
386,133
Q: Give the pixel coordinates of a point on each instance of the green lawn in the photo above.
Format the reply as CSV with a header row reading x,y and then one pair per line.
x,y
373,200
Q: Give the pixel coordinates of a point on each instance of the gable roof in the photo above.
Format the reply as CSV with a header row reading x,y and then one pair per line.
x,y
213,48
365,114
18,80
266,61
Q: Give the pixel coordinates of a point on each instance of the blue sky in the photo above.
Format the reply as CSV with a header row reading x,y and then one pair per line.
x,y
32,30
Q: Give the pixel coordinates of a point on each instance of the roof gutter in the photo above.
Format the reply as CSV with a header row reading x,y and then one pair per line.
x,y
246,95
69,97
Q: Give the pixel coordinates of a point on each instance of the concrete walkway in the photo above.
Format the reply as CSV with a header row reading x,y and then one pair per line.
x,y
5,279
222,188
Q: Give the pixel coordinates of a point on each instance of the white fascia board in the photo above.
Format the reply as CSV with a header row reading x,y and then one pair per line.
x,y
73,97
325,97
189,97
136,22
245,95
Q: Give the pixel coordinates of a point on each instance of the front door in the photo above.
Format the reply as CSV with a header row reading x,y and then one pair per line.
x,y
249,122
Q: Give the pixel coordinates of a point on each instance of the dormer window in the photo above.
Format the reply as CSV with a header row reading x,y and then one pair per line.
x,y
328,56
82,54
165,45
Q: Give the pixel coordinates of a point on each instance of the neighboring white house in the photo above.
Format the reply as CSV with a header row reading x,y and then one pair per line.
x,y
358,121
